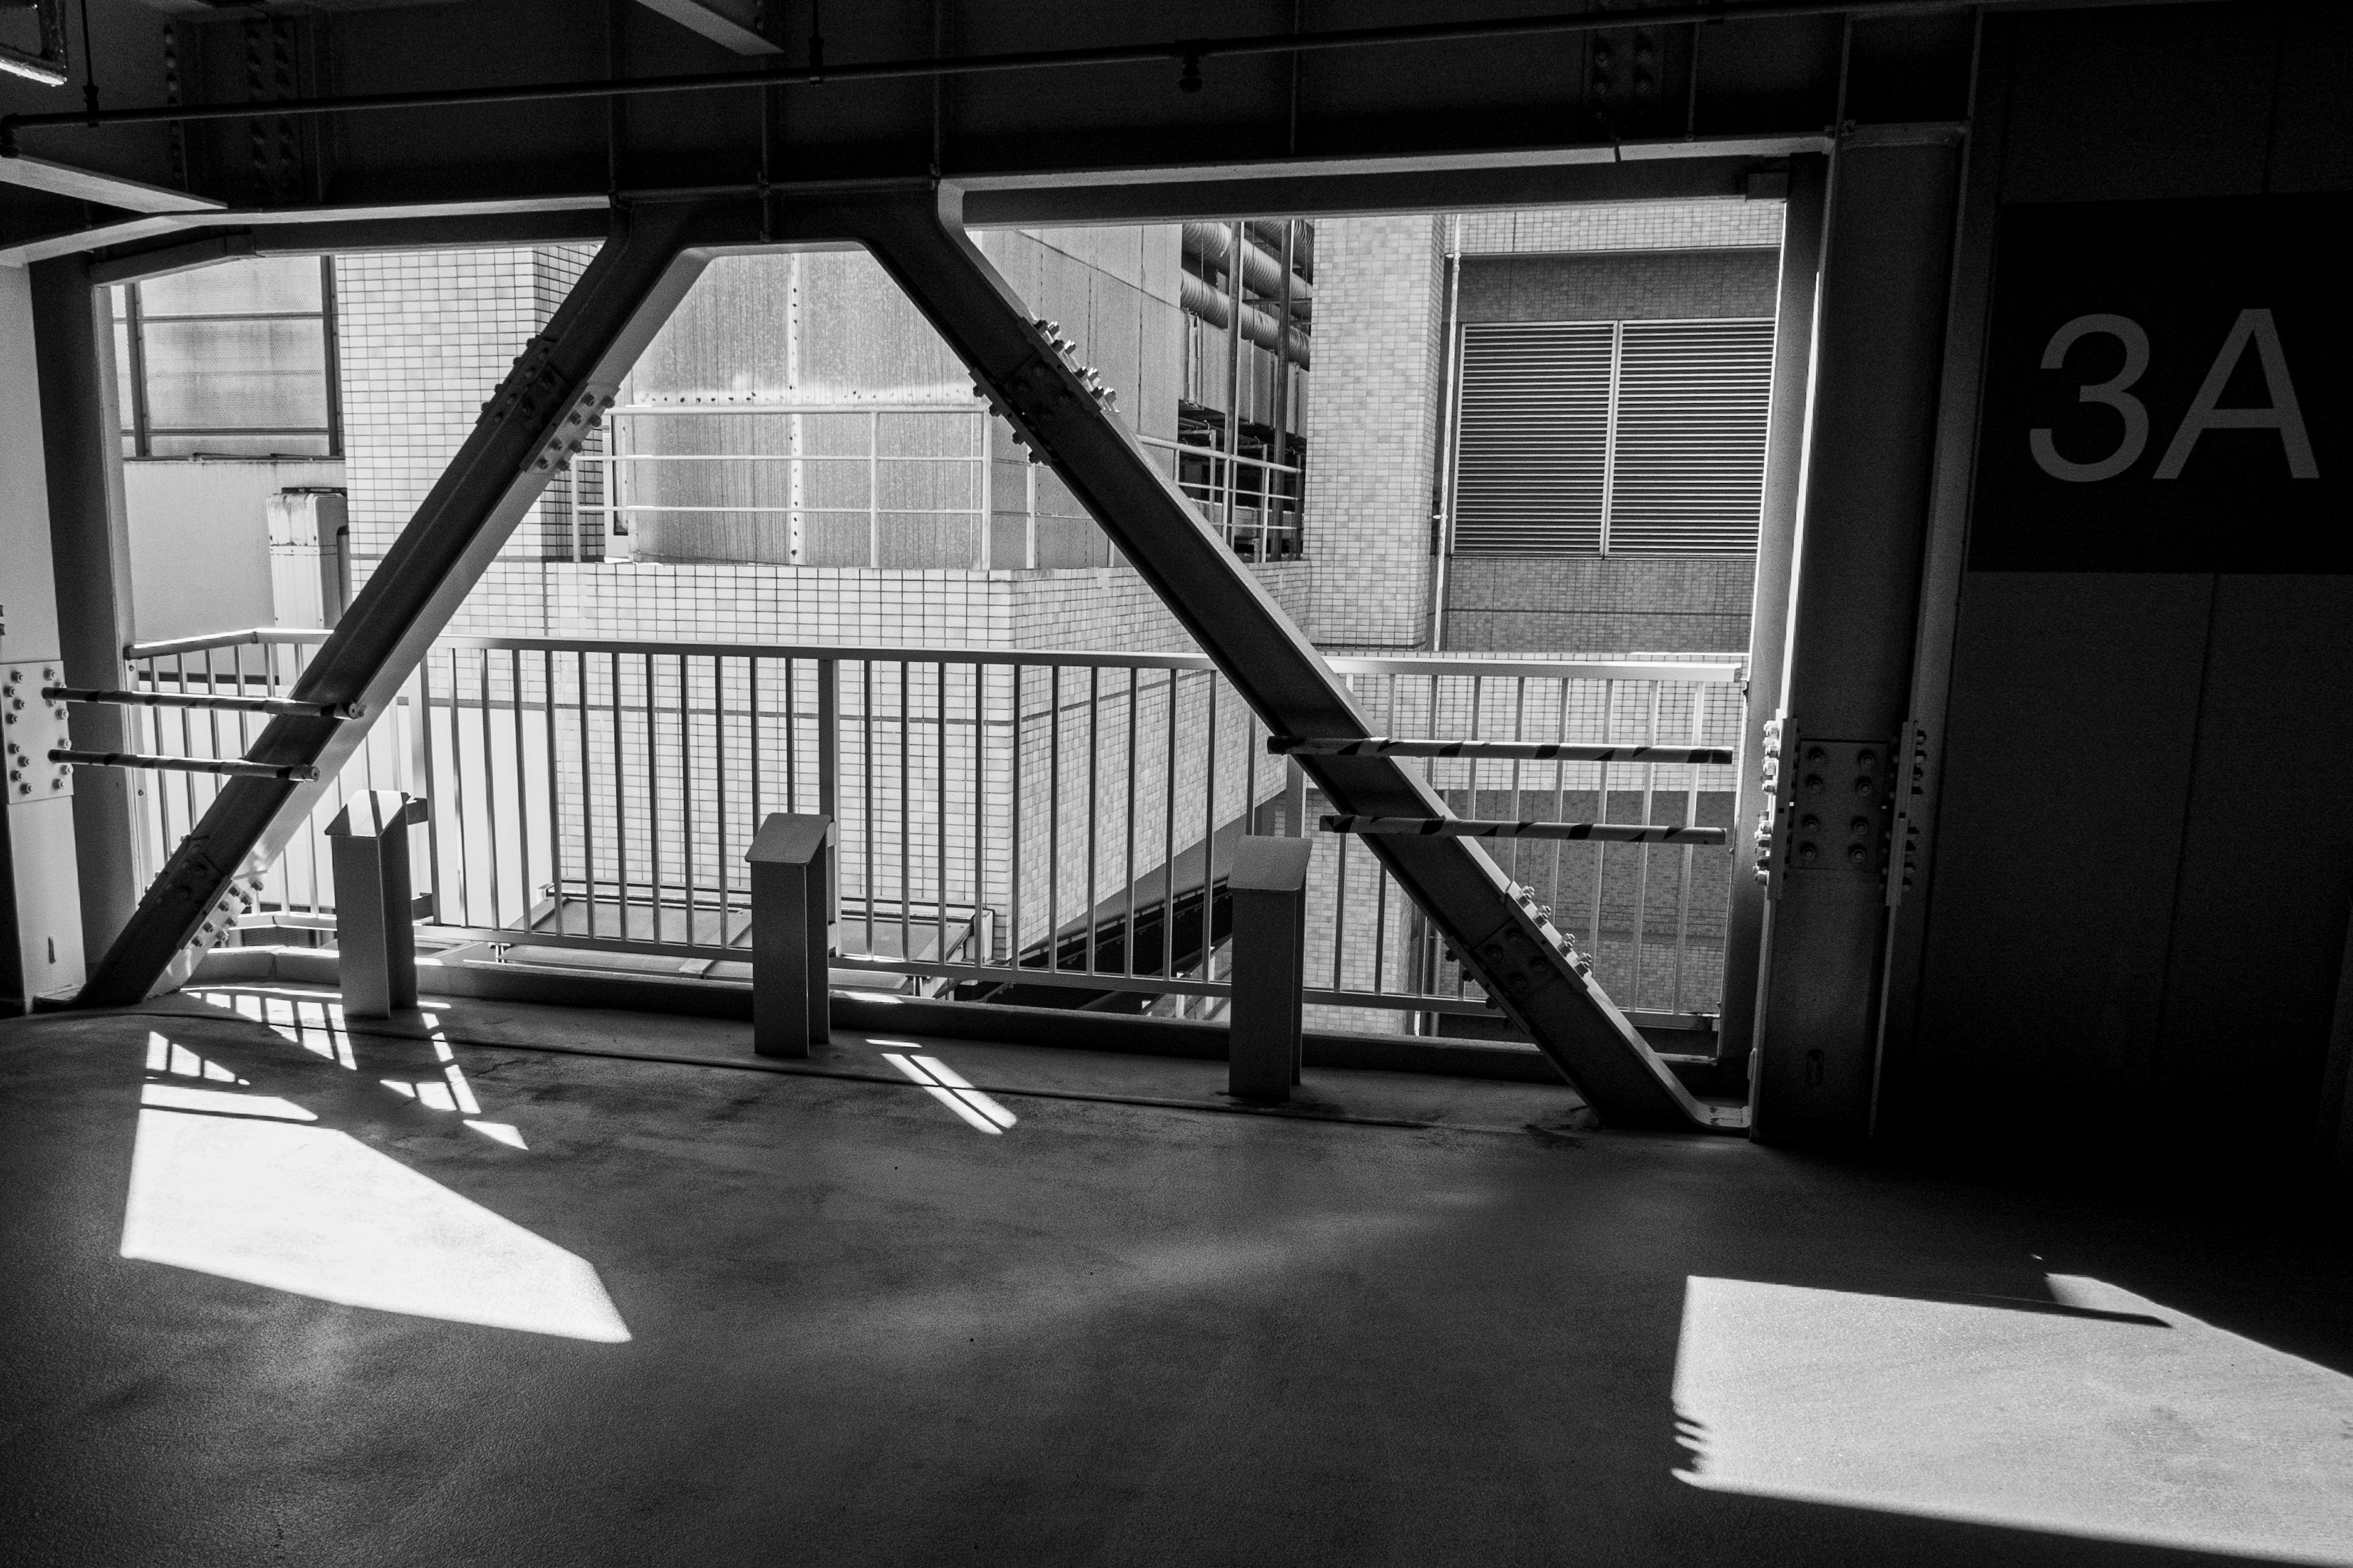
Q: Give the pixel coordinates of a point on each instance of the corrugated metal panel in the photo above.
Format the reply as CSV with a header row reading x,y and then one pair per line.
x,y
1535,437
1689,469
1640,438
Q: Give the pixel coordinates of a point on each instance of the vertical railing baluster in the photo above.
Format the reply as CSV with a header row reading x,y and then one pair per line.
x,y
522,787
1601,810
429,786
1519,720
463,828
719,782
587,797
1127,820
620,806
491,789
1691,819
1094,800
1558,899
554,790
686,793
906,815
1643,860
654,809
865,833
981,949
1015,817
1167,970
1209,832
940,797
1054,819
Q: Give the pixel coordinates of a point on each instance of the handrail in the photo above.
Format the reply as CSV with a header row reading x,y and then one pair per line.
x,y
1702,673
1164,443
221,639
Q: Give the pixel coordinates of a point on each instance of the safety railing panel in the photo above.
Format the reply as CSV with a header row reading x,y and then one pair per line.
x,y
250,664
1009,825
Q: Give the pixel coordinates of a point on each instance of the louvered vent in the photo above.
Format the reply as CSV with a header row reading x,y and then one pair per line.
x,y
1690,470
1535,441
1634,438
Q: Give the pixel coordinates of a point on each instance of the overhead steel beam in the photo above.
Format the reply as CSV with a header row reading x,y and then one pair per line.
x,y
560,384
1513,951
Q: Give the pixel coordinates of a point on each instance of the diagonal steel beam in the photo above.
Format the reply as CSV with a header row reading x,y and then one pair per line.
x,y
560,383
1516,953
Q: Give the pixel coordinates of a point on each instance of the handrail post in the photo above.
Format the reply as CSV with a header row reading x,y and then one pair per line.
x,y
376,936
829,735
792,894
1268,883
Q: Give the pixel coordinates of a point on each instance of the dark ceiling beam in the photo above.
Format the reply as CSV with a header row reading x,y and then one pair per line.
x,y
1589,85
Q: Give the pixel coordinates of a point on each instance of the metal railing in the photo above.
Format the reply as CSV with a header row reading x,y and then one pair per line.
x,y
1255,505
1011,824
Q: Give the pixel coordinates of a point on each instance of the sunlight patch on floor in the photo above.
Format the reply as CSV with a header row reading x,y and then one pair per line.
x,y
316,1212
2167,1432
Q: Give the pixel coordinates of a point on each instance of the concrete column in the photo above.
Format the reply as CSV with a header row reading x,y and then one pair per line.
x,y
40,903
375,935
1268,882
1846,681
792,902
89,543
1372,427
1777,540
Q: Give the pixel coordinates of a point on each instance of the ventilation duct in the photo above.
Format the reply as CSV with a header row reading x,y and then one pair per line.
x,y
1202,299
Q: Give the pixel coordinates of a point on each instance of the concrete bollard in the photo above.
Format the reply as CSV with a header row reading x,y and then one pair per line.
x,y
792,912
376,933
1268,883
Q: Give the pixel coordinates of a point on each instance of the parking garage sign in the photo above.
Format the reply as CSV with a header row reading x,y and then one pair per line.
x,y
2166,389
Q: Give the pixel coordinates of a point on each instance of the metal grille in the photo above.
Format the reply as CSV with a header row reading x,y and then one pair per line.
x,y
1533,456
1615,439
1687,472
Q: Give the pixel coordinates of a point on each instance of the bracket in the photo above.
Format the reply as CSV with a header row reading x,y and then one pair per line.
x,y
34,726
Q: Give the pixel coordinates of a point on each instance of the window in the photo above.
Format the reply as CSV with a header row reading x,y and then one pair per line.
x,y
233,360
1638,438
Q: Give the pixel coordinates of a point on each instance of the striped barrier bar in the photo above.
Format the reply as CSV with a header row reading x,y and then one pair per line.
x,y
226,768
1498,751
270,705
1477,828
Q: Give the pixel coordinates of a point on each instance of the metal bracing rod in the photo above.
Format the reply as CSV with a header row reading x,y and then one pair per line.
x,y
560,384
1490,827
1188,52
1515,954
226,767
286,705
1523,751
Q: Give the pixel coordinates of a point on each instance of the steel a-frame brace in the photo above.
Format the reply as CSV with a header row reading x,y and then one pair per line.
x,y
560,385
569,374
1516,952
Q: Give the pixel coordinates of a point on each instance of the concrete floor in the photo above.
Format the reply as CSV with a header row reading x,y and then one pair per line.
x,y
703,1316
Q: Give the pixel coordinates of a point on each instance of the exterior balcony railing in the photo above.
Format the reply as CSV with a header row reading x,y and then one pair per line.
x,y
1046,827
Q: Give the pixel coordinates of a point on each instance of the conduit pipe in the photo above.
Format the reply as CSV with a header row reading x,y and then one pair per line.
x,y
1200,299
1269,232
1209,244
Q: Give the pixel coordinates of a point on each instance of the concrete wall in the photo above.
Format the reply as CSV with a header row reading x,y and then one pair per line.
x,y
1635,286
199,540
2136,912
1558,604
